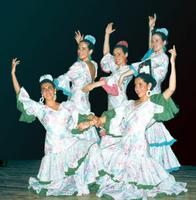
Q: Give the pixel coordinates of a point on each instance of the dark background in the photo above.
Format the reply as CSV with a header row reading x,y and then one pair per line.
x,y
41,34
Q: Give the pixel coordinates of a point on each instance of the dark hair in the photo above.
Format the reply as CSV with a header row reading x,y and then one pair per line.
x,y
122,45
90,44
147,78
124,49
161,34
47,81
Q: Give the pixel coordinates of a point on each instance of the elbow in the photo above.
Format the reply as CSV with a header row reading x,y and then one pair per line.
x,y
105,52
172,90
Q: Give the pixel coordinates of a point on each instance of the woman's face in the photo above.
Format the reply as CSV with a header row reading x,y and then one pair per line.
x,y
83,51
141,87
157,43
120,57
48,91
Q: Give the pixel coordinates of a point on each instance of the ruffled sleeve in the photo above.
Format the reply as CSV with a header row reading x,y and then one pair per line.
x,y
24,117
110,114
135,67
160,66
110,87
147,54
165,109
107,63
30,107
63,82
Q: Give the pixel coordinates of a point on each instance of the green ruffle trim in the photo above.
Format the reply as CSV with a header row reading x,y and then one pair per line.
x,y
81,118
170,109
44,191
109,115
71,171
94,187
24,117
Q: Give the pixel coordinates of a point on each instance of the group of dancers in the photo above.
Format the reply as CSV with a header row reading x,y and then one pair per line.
x,y
126,152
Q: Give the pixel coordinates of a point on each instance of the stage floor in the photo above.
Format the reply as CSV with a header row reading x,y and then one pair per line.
x,y
14,180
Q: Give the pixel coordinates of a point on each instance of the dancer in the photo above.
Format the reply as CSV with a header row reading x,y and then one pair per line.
x,y
117,64
68,166
131,173
81,73
157,135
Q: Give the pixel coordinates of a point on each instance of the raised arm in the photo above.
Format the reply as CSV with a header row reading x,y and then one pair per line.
x,y
78,36
172,79
124,75
152,21
108,31
16,85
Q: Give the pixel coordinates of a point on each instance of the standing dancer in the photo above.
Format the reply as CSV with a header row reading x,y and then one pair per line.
x,y
117,64
157,135
81,73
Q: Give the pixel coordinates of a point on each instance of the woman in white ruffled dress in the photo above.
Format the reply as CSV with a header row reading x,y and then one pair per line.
x,y
115,64
130,171
81,73
158,137
69,164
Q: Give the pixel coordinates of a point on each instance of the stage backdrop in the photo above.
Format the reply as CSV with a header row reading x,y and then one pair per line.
x,y
41,34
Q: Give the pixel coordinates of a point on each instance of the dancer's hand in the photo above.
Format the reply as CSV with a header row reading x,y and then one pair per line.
x,y
15,62
78,36
173,54
109,29
100,122
152,21
83,125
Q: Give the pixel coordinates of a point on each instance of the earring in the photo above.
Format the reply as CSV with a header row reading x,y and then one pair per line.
x,y
41,100
148,93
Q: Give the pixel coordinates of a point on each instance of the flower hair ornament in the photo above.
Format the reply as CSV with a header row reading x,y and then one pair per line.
x,y
46,77
162,30
123,43
90,38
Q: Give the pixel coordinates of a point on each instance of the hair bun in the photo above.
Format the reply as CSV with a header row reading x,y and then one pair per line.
x,y
46,77
90,38
123,43
162,30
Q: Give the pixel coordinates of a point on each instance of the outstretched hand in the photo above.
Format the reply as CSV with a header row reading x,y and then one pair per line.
x,y
15,62
109,28
152,21
78,36
173,54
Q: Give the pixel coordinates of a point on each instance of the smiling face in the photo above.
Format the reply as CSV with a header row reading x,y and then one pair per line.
x,y
83,51
120,58
157,43
141,87
48,91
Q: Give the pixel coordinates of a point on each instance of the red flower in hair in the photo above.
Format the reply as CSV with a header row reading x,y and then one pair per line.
x,y
123,43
